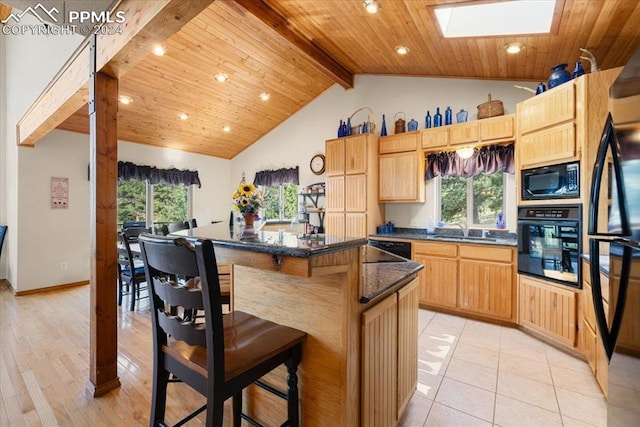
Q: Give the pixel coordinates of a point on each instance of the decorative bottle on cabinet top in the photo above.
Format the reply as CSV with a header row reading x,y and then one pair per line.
x,y
383,130
461,116
578,71
427,120
437,118
558,76
448,116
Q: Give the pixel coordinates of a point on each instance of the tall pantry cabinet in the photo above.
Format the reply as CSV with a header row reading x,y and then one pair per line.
x,y
352,207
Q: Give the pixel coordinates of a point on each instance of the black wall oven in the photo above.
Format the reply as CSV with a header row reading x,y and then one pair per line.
x,y
549,243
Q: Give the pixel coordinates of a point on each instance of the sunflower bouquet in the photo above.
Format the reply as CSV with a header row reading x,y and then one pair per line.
x,y
248,199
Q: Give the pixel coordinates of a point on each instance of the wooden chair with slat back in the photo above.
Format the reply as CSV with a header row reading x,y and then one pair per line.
x,y
130,269
223,355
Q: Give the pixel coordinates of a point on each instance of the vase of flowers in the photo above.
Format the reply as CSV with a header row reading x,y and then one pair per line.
x,y
248,200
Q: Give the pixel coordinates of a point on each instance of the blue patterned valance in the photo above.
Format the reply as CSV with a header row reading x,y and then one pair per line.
x,y
489,159
277,177
128,171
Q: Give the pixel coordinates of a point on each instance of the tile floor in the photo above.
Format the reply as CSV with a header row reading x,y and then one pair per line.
x,y
472,373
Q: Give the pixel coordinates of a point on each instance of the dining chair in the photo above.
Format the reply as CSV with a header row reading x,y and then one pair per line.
x,y
192,223
130,268
3,231
172,227
223,355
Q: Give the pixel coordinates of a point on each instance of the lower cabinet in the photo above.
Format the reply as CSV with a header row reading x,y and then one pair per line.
x,y
591,346
486,282
467,278
548,309
389,357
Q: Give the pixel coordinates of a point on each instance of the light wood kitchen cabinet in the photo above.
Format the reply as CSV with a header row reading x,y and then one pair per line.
x,y
548,309
407,343
486,278
401,177
399,143
389,356
434,138
439,277
500,128
464,133
629,339
564,123
352,207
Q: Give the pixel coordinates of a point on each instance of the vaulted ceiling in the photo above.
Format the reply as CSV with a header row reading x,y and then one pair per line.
x,y
296,49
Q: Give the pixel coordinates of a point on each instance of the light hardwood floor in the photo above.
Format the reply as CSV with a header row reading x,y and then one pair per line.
x,y
470,373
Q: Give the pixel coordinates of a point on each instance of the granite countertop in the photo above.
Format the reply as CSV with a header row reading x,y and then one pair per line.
x,y
500,238
283,243
382,271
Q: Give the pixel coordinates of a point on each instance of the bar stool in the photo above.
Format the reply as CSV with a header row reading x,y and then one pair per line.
x,y
223,355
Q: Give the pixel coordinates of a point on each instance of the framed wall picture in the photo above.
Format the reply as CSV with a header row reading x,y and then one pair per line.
x,y
59,192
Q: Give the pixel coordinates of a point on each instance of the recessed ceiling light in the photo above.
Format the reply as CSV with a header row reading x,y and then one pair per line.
x,y
159,50
264,96
183,116
402,50
221,77
476,19
514,47
226,128
372,6
125,100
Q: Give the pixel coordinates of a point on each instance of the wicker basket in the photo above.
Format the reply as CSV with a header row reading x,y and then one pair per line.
x,y
371,118
400,123
490,109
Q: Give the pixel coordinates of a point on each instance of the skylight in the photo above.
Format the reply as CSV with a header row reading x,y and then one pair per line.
x,y
496,19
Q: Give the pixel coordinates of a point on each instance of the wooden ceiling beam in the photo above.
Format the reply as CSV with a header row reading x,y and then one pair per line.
x,y
326,63
147,22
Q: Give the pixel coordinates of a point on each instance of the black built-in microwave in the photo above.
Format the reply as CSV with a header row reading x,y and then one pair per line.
x,y
560,181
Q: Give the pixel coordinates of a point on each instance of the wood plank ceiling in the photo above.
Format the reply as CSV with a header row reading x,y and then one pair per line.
x,y
254,43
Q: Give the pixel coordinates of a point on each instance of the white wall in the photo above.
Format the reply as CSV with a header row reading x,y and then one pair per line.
x,y
296,140
27,65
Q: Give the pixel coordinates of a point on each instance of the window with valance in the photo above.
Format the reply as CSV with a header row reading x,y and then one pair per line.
x,y
489,159
280,188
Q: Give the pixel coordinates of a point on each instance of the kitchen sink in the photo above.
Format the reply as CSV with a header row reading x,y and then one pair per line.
x,y
468,238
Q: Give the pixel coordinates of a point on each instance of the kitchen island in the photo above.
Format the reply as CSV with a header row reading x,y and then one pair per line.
x,y
358,306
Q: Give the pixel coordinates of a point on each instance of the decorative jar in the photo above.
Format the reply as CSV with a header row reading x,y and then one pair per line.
x,y
559,75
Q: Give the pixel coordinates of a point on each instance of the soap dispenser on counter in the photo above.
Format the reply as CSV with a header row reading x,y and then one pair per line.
x,y
431,227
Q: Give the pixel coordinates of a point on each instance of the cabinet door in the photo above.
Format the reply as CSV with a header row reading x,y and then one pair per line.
x,y
550,108
463,133
399,143
407,343
549,145
334,157
497,128
335,193
548,309
590,341
438,281
356,225
355,193
400,178
379,364
356,154
486,288
334,224
435,138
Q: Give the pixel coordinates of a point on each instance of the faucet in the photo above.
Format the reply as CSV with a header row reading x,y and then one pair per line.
x,y
463,226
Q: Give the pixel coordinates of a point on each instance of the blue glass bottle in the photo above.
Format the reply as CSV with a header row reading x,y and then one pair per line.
x,y
437,118
341,130
427,120
383,131
578,71
348,126
448,116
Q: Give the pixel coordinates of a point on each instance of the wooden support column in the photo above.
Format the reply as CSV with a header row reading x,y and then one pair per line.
x,y
103,109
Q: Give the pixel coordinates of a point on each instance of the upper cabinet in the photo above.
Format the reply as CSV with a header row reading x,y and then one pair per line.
x,y
479,132
352,207
401,167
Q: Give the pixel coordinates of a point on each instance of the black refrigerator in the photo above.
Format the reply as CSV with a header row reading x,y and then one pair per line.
x,y
614,245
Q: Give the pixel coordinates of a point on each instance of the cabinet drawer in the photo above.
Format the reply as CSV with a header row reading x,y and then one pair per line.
x,y
399,143
435,138
486,253
436,249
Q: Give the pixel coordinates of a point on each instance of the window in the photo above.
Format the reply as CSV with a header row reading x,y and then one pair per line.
x,y
170,203
476,200
281,201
